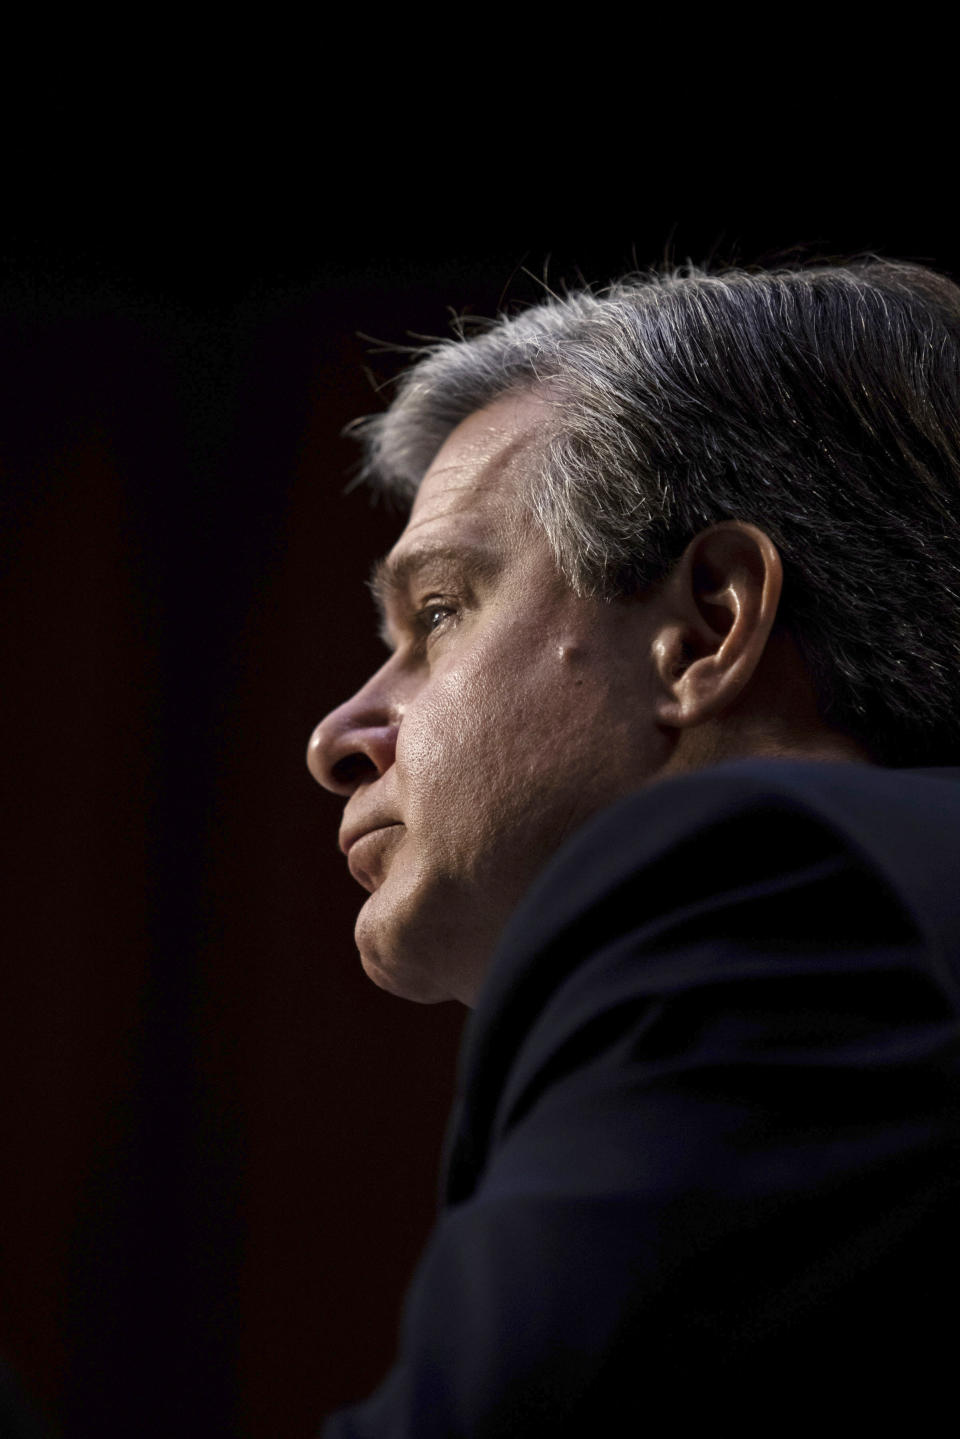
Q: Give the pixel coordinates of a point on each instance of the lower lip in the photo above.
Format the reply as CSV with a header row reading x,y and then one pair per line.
x,y
360,847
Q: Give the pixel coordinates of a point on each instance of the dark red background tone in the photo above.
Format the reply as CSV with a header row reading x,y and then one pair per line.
x,y
220,1141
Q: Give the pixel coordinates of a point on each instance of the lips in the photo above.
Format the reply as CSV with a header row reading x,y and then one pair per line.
x,y
350,834
366,851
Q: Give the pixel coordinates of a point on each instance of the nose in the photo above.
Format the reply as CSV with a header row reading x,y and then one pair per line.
x,y
356,744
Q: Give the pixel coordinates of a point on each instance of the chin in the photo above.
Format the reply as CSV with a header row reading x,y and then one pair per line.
x,y
404,986
391,968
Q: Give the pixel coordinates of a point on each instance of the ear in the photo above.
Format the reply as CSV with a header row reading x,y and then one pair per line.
x,y
718,603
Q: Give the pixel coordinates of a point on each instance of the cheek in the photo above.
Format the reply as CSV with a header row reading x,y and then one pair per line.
x,y
484,738
450,737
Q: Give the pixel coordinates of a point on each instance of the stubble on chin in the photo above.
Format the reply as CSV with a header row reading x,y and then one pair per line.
x,y
418,938
393,950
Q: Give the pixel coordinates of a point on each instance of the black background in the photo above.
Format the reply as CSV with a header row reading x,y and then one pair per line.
x,y
220,1140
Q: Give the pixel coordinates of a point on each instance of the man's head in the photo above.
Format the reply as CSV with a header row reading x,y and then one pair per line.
x,y
543,662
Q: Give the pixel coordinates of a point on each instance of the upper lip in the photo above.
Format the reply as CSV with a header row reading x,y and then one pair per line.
x,y
349,834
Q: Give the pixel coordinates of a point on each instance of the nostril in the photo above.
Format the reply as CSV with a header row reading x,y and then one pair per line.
x,y
353,769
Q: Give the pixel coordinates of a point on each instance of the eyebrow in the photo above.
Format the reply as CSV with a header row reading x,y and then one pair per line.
x,y
390,577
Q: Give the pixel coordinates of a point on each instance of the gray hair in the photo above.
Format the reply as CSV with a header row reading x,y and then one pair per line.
x,y
820,403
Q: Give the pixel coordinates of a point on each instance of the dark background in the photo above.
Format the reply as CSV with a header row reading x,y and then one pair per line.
x,y
220,1140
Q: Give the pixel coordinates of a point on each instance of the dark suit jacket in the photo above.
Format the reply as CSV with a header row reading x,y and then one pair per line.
x,y
704,1160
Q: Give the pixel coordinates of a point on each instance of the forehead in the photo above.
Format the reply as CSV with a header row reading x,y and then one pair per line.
x,y
474,480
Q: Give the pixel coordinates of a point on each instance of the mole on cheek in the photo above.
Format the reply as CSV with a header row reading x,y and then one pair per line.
x,y
568,654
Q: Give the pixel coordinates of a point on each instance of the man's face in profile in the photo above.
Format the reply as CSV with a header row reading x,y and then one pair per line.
x,y
508,712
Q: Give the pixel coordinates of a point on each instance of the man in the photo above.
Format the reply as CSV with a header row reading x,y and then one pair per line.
x,y
662,779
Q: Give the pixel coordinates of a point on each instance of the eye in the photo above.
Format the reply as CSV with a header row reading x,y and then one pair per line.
x,y
433,616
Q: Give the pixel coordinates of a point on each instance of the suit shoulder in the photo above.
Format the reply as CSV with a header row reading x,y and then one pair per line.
x,y
704,832
748,868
